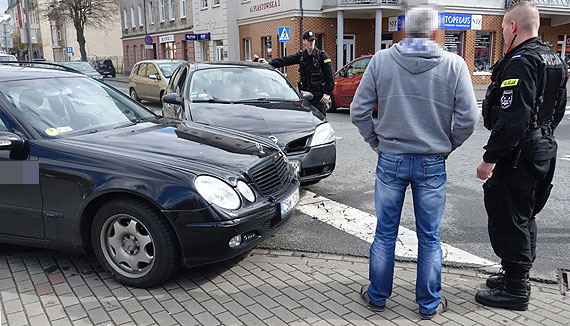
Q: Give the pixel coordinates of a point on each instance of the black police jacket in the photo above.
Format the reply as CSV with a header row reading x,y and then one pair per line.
x,y
326,83
530,91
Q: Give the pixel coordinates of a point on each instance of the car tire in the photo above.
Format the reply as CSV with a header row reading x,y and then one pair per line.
x,y
332,106
133,94
135,243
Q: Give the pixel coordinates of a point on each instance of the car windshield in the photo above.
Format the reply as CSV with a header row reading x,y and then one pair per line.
x,y
8,58
234,84
69,106
79,66
167,68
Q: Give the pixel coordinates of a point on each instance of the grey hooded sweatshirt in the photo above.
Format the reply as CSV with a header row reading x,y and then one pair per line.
x,y
426,103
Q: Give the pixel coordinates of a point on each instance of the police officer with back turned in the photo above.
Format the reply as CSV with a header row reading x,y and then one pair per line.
x,y
523,106
315,68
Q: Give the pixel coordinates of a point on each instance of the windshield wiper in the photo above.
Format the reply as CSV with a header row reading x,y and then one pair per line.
x,y
264,100
211,100
136,121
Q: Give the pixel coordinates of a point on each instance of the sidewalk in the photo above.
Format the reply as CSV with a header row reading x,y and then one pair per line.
x,y
263,288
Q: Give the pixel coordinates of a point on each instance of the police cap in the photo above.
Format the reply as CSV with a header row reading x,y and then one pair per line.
x,y
309,36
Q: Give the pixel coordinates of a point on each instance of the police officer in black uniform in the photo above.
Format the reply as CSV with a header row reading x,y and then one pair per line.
x,y
315,68
523,106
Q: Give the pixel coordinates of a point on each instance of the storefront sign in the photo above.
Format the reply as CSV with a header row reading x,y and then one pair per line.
x,y
265,6
197,37
476,22
446,21
166,38
396,23
148,46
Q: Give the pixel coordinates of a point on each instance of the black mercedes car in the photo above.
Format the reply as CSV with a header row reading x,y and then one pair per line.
x,y
86,168
258,99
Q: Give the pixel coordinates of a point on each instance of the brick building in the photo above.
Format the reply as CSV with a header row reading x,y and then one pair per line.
x,y
472,31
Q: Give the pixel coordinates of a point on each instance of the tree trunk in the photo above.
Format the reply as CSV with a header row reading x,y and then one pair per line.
x,y
81,40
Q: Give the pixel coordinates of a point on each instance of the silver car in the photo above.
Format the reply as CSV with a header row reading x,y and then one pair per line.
x,y
149,79
7,57
84,68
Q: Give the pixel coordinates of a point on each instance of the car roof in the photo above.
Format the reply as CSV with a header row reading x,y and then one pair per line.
x,y
10,72
231,64
160,61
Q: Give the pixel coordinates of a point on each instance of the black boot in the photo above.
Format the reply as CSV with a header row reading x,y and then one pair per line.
x,y
512,294
496,280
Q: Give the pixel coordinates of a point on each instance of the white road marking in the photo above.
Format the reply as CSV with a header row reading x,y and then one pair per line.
x,y
363,226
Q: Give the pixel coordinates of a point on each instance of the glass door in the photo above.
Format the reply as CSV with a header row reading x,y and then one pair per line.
x,y
348,45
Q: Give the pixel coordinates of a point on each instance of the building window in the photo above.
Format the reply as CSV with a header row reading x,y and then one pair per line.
x,y
216,3
140,16
483,51
267,51
320,41
161,11
247,48
454,42
171,9
151,13
59,35
182,8
126,19
133,17
204,4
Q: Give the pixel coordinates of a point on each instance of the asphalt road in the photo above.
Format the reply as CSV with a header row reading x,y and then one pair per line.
x,y
465,221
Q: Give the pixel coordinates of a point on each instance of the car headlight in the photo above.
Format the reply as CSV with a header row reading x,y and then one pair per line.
x,y
217,192
324,134
246,191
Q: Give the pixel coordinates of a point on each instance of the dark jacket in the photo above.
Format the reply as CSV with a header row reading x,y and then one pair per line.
x,y
308,70
531,93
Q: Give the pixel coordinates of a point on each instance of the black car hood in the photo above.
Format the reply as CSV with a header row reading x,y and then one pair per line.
x,y
187,146
287,121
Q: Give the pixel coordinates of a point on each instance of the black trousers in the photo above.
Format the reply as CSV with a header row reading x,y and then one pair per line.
x,y
513,198
316,102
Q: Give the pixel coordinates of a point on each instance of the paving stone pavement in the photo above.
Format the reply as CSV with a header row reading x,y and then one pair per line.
x,y
261,288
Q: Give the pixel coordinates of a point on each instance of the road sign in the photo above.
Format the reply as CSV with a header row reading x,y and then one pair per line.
x,y
69,49
148,40
284,35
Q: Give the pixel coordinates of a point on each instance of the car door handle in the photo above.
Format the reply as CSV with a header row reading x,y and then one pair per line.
x,y
52,214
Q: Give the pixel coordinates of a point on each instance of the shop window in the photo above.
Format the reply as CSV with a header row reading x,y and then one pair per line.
x,y
563,48
170,50
267,49
247,48
483,51
454,42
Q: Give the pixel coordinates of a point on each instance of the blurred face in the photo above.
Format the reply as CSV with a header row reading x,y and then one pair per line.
x,y
309,45
509,30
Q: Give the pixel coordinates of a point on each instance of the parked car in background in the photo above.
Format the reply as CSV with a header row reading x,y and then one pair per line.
x,y
346,82
146,194
105,67
84,68
149,78
7,57
257,99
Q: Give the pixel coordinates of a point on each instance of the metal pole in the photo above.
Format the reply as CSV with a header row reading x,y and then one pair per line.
x,y
301,27
30,54
5,36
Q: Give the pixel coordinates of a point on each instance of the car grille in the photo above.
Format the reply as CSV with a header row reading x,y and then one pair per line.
x,y
271,175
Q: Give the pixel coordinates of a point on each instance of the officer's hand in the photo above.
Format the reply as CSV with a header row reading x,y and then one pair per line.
x,y
325,98
376,150
485,170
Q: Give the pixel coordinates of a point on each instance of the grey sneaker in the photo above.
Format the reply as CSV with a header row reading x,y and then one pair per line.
x,y
372,306
441,308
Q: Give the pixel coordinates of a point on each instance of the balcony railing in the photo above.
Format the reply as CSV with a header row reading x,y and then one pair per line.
x,y
336,3
543,3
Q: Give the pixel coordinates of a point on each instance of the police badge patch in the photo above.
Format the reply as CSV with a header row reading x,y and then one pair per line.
x,y
507,99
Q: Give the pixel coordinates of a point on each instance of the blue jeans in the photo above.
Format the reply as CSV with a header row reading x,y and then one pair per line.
x,y
426,174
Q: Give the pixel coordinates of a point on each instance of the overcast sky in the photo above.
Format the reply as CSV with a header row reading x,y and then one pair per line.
x,y
3,6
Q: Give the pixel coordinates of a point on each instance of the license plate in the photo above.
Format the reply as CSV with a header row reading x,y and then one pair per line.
x,y
289,203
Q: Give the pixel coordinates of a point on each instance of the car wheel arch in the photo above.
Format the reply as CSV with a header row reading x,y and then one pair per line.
x,y
96,203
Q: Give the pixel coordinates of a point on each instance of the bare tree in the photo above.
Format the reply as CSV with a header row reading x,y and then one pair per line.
x,y
82,13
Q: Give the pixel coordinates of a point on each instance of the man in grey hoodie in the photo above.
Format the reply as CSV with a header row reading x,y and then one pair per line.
x,y
426,109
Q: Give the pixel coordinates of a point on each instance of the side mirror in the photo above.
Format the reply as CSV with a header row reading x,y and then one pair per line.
x,y
172,98
154,77
10,141
307,95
